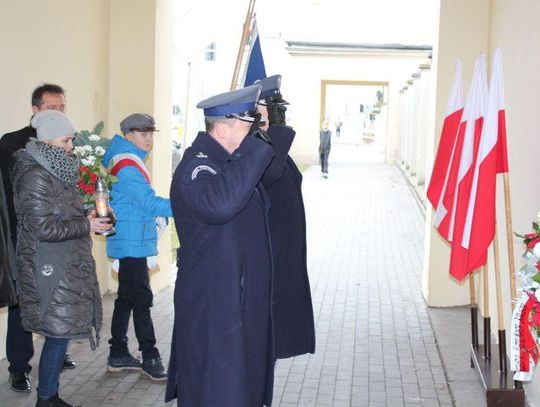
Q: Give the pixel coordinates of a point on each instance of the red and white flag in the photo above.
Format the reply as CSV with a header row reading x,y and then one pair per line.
x,y
492,159
447,141
473,122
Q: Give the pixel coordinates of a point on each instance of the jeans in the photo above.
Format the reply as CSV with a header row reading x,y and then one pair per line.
x,y
50,366
19,344
134,293
324,162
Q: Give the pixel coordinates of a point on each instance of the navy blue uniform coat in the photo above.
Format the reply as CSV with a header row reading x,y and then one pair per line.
x,y
222,351
294,331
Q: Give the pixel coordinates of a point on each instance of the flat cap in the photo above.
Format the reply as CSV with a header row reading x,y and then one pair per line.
x,y
138,122
236,103
51,124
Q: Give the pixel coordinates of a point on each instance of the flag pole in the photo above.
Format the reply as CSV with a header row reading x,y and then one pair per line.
x,y
474,311
500,309
487,319
509,238
243,42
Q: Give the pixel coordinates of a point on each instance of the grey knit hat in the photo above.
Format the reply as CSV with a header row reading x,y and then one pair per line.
x,y
51,124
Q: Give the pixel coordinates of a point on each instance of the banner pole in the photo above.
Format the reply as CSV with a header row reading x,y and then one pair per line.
x,y
243,42
487,319
500,309
510,239
474,312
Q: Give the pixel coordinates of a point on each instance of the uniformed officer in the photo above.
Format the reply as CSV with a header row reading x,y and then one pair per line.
x,y
221,352
294,331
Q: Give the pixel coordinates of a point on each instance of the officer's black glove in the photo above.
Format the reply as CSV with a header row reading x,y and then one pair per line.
x,y
276,110
255,131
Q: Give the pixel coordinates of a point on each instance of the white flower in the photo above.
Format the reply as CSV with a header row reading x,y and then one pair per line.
x,y
78,151
94,137
538,216
536,250
87,148
88,161
99,150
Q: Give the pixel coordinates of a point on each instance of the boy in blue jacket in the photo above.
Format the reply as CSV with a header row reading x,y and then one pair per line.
x,y
136,208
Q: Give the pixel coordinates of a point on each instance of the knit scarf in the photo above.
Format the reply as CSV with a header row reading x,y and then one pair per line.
x,y
56,161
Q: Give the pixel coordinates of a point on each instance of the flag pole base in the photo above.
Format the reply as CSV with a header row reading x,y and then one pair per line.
x,y
499,387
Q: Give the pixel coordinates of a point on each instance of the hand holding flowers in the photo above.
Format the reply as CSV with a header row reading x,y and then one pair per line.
x,y
90,148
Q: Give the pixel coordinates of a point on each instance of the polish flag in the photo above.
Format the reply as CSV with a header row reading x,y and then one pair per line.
x,y
474,119
443,218
447,141
492,159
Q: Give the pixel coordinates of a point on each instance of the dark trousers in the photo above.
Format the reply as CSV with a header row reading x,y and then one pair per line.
x,y
19,345
134,293
324,162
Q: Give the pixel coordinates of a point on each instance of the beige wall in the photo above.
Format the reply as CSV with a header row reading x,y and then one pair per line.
x,y
515,29
112,58
483,26
463,32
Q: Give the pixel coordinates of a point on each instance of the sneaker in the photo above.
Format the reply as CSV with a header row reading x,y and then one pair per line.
x,y
153,368
53,401
123,363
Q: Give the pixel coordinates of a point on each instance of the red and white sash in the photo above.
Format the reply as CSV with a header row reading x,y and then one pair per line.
x,y
129,160
524,352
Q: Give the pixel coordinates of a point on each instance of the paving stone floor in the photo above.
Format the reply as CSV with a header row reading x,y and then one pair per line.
x,y
375,343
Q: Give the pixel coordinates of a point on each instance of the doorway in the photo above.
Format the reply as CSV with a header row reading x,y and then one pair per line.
x,y
358,116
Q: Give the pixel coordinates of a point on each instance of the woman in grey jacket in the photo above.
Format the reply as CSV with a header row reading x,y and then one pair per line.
x,y
58,288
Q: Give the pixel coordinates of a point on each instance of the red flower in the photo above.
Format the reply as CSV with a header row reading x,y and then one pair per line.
x,y
533,242
88,186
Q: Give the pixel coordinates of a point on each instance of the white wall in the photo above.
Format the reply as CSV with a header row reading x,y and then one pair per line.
x,y
303,83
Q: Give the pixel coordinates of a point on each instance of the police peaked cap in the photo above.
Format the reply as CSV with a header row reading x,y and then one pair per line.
x,y
232,104
271,87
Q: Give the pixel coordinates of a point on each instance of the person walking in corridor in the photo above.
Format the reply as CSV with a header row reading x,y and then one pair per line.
x,y
325,143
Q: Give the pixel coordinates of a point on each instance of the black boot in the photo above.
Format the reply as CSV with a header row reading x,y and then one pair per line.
x,y
53,401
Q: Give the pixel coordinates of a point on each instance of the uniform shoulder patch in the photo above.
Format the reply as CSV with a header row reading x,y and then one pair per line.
x,y
201,170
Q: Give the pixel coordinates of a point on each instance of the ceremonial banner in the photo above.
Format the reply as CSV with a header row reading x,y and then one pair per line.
x,y
492,159
474,120
255,68
447,142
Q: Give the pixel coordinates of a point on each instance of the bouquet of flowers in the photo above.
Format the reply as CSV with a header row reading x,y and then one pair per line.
x,y
525,328
90,147
529,274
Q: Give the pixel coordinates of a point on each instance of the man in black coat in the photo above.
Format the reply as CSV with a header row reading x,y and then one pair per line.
x,y
325,138
8,295
19,345
294,331
221,350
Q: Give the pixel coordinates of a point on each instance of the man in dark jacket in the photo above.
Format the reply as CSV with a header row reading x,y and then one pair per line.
x,y
294,331
19,345
221,351
8,296
325,136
